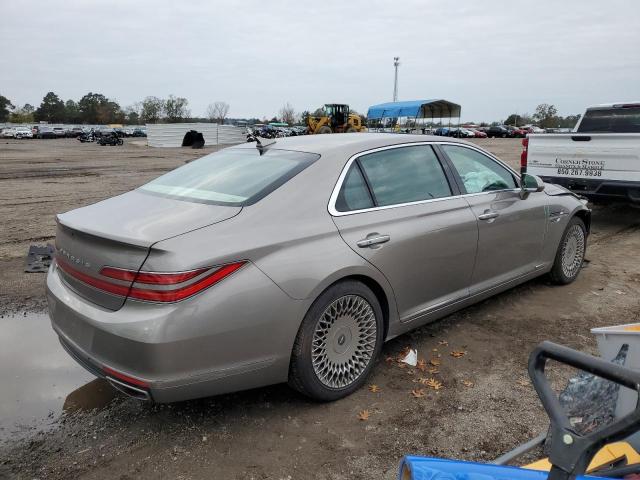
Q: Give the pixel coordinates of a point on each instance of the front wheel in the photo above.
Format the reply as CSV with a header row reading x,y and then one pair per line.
x,y
570,254
338,342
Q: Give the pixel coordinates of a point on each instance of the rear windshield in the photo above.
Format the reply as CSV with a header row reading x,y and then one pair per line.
x,y
232,177
611,120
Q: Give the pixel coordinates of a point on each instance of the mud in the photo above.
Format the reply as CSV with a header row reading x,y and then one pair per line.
x,y
484,408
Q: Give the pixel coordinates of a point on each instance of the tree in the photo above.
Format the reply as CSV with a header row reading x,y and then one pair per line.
x,y
515,119
288,114
5,108
132,113
218,111
51,109
90,108
176,108
152,109
545,115
22,115
71,112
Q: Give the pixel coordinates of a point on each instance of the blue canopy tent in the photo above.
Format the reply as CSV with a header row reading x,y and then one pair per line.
x,y
415,109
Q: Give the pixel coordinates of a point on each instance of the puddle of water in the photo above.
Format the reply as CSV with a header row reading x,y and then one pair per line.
x,y
39,380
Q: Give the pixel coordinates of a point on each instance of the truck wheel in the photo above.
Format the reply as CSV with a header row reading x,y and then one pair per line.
x,y
338,342
570,254
351,130
324,129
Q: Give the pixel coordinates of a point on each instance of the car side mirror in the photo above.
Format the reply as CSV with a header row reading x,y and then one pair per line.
x,y
530,184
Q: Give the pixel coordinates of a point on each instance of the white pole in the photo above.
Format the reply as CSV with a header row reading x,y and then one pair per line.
x,y
396,63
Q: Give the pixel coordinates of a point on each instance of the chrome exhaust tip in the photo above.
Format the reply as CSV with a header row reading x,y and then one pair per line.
x,y
129,390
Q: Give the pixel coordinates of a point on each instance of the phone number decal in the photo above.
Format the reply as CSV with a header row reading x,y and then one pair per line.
x,y
579,168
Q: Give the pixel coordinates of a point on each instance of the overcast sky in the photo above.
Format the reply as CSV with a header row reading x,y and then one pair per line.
x,y
493,58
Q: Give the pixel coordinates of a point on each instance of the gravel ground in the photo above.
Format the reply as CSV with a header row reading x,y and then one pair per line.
x,y
485,406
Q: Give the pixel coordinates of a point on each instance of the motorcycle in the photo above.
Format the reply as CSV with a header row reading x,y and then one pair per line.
x,y
86,137
112,140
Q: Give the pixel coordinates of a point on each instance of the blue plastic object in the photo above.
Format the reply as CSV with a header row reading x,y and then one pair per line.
x,y
426,468
435,108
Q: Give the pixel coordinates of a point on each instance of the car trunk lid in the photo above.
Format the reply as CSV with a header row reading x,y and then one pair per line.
x,y
119,232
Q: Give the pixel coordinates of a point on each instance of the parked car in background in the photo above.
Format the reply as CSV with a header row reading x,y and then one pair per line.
x,y
600,159
23,132
60,132
442,131
183,288
74,132
533,129
498,131
45,132
128,132
106,131
8,132
460,133
478,133
139,132
517,132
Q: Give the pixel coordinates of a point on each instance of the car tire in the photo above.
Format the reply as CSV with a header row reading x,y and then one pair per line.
x,y
570,254
338,342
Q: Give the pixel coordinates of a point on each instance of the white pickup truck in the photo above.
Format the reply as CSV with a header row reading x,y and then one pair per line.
x,y
600,159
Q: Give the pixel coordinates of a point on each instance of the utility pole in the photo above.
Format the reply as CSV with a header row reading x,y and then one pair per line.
x,y
396,64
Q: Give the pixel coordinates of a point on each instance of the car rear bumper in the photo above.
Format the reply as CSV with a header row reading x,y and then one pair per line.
x,y
599,189
233,336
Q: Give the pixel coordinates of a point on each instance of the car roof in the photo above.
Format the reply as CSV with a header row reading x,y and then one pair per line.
x,y
349,143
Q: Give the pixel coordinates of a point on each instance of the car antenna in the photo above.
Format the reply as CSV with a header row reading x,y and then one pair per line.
x,y
264,144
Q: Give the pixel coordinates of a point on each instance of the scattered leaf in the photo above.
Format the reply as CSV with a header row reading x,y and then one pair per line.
x,y
435,362
401,365
433,371
421,365
444,343
417,393
467,383
434,350
363,415
433,383
524,382
374,388
389,359
457,353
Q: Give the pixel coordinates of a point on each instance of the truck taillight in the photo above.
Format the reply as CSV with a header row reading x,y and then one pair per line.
x,y
523,156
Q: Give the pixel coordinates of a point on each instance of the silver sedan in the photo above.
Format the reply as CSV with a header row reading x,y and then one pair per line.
x,y
295,261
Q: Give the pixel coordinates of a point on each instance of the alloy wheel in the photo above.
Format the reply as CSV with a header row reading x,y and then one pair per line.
x,y
344,341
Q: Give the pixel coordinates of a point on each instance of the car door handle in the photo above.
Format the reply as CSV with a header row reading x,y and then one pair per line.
x,y
488,215
368,242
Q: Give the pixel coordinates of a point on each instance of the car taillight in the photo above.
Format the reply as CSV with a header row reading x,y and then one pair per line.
x,y
523,156
158,286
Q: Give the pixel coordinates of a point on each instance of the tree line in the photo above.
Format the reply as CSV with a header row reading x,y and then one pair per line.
x,y
96,108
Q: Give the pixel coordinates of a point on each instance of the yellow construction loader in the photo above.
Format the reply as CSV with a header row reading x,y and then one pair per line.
x,y
337,119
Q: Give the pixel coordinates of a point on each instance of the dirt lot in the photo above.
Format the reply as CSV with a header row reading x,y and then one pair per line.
x,y
484,408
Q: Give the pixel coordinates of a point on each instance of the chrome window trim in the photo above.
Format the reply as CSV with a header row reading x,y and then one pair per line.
x,y
331,207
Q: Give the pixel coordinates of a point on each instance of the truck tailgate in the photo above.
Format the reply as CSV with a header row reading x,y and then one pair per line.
x,y
597,156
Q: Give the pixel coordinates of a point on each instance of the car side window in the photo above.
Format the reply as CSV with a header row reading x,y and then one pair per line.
x,y
354,194
404,175
479,173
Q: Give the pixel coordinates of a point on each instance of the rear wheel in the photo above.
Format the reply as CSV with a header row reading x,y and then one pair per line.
x,y
570,254
338,342
324,129
351,130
